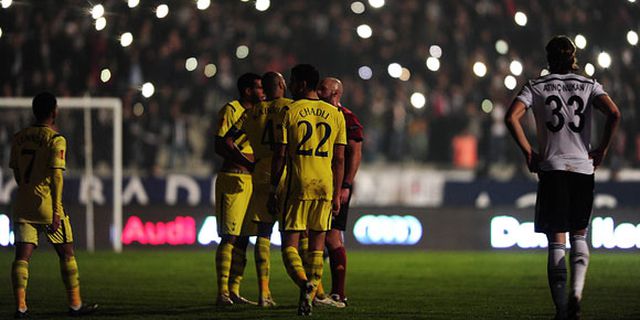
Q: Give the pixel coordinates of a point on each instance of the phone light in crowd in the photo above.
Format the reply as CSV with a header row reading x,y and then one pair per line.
x,y
7,237
133,3
589,69
405,74
388,230
604,60
97,11
162,11
435,51
515,67
100,23
364,31
632,37
486,106
510,82
105,75
521,18
581,41
433,64
0,32
357,7
502,47
242,52
418,100
376,3
479,69
262,5
210,70
394,70
126,39
148,89
191,64
544,72
203,4
6,3
365,73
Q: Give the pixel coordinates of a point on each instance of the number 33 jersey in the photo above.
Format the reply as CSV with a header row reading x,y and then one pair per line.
x,y
310,129
562,106
34,152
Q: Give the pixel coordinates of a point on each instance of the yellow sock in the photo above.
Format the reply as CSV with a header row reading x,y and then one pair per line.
x,y
20,277
316,261
304,248
293,264
320,294
223,265
308,269
262,254
71,279
238,262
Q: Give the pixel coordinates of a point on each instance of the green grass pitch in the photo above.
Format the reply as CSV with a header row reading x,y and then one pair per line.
x,y
174,284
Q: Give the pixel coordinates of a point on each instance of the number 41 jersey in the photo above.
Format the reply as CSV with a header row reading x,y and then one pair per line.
x,y
562,105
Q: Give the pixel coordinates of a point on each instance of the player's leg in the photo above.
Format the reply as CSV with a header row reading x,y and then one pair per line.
x,y
236,272
338,263
20,274
262,253
292,259
557,271
223,267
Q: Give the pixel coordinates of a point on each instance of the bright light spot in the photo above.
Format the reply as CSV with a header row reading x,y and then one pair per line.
x,y
632,1
394,70
510,82
6,3
203,4
544,72
126,39
418,100
405,75
0,32
191,64
357,7
105,75
521,18
515,67
365,73
581,41
101,23
604,60
632,37
589,69
502,47
435,51
262,5
210,70
242,52
148,89
97,11
364,31
376,3
486,105
479,69
138,109
162,11
133,3
433,64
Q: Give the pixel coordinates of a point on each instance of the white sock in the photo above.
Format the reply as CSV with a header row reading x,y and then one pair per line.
x,y
557,275
579,262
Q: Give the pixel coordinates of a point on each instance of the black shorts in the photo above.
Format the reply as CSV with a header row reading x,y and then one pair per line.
x,y
339,222
564,201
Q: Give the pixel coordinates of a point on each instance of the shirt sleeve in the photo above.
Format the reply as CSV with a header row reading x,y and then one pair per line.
x,y
341,138
598,90
238,127
354,128
526,95
225,120
58,152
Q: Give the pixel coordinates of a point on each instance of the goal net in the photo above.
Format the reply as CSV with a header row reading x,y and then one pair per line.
x,y
93,129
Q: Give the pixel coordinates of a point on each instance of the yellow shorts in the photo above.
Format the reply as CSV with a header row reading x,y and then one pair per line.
x,y
30,232
300,215
233,192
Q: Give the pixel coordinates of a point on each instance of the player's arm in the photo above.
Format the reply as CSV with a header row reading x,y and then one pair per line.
x,y
352,163
337,167
57,182
512,120
224,125
277,168
233,151
611,111
13,163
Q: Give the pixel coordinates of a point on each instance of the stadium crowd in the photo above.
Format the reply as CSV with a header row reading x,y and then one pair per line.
x,y
47,45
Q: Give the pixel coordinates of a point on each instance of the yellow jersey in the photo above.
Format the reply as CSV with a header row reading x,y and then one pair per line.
x,y
258,125
34,152
310,129
227,116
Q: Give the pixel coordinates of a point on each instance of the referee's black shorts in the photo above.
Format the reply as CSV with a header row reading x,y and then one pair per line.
x,y
564,201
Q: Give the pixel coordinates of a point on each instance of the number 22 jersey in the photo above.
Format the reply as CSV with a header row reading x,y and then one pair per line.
x,y
562,105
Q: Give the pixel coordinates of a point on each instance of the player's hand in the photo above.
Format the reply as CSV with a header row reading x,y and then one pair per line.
x,y
272,203
597,155
344,195
335,206
533,162
55,223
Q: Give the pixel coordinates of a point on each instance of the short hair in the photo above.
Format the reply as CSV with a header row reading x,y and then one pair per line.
x,y
270,81
43,105
307,73
246,81
561,54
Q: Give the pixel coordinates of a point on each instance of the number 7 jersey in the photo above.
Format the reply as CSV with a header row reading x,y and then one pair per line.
x,y
310,129
562,105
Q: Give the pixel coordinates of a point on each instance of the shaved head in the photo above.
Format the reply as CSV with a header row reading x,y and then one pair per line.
x,y
273,84
330,90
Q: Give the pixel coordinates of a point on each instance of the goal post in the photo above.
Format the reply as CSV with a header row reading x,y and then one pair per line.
x,y
88,104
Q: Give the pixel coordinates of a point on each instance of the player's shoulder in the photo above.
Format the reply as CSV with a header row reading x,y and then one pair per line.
x,y
233,106
555,77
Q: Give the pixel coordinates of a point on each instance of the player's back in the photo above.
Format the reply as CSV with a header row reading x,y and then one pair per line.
x,y
562,106
312,127
34,152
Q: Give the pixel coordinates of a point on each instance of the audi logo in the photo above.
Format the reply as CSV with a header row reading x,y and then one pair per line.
x,y
388,230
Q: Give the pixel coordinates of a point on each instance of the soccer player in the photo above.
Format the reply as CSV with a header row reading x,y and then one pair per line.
x,y
330,90
562,103
233,191
38,160
311,140
257,124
